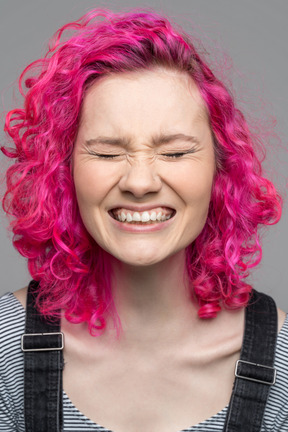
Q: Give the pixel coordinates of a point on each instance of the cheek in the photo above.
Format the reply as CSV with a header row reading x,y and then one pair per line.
x,y
194,186
198,196
91,186
92,182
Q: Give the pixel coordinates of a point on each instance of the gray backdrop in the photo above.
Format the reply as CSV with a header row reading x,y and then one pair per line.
x,y
254,33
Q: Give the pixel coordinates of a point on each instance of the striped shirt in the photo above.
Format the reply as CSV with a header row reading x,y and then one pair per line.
x,y
12,323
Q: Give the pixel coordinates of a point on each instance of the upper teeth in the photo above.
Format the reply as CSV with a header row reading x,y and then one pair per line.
x,y
142,216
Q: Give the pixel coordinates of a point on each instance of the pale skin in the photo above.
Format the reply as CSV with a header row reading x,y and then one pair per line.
x,y
169,370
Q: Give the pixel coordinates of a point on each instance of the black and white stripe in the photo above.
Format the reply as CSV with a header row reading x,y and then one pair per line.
x,y
12,322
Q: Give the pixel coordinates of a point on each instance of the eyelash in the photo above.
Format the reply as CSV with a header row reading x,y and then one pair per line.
x,y
104,156
178,154
170,155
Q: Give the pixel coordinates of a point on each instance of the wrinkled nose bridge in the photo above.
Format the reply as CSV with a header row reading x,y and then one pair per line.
x,y
140,176
141,164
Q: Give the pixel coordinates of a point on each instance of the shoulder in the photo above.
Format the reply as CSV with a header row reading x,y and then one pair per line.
x,y
12,324
10,308
281,319
21,296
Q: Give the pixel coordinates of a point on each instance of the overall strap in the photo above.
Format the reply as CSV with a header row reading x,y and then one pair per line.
x,y
42,345
254,371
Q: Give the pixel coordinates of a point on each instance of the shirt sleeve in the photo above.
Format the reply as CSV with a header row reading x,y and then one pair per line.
x,y
7,418
12,322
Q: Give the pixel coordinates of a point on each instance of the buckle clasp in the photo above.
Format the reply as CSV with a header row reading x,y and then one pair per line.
x,y
50,344
254,370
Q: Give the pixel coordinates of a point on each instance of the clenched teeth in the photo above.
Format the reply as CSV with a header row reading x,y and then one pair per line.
x,y
142,217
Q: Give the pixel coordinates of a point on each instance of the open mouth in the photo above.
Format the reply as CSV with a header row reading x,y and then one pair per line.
x,y
153,216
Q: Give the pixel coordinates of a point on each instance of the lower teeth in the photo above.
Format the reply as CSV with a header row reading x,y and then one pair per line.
x,y
141,223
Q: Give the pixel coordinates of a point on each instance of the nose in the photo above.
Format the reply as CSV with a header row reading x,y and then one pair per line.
x,y
140,178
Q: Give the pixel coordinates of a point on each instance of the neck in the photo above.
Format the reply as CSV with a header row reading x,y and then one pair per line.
x,y
153,301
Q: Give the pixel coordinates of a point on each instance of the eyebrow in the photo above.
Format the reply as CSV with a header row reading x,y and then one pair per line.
x,y
156,140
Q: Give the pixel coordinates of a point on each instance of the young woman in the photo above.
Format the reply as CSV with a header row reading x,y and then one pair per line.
x,y
136,195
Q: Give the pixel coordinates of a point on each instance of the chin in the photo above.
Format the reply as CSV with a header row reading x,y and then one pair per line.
x,y
143,260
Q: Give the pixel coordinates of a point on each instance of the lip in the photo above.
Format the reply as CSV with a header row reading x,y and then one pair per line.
x,y
141,208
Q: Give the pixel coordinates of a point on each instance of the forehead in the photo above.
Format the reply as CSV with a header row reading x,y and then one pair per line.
x,y
160,96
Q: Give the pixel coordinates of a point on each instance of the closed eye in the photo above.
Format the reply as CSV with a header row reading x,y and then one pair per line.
x,y
174,155
178,154
103,155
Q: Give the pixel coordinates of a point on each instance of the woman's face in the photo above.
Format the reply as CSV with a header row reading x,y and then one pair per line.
x,y
143,164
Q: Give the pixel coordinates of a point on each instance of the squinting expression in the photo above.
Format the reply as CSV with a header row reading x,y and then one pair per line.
x,y
143,164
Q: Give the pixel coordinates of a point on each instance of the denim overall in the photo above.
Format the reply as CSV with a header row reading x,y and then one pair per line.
x,y
43,345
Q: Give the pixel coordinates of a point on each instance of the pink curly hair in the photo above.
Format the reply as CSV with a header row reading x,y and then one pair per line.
x,y
73,271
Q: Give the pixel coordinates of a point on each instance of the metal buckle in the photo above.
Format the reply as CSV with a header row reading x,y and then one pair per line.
x,y
255,379
42,349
